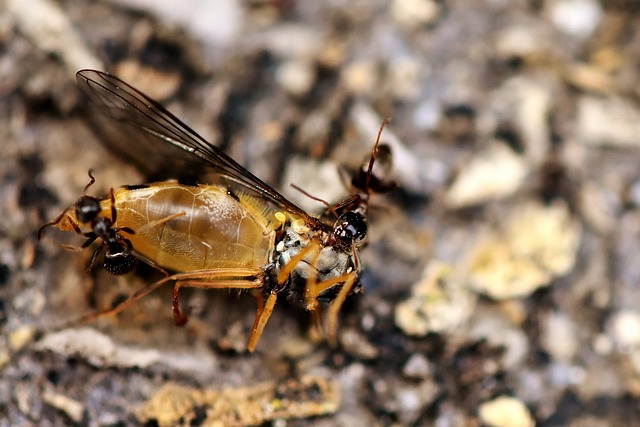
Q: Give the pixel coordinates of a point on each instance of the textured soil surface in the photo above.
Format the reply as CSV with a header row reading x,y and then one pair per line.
x,y
501,281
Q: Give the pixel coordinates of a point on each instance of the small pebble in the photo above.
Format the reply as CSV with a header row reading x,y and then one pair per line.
x,y
517,41
578,18
607,121
495,173
296,77
360,77
527,101
48,25
30,300
405,399
505,411
417,367
216,22
559,336
71,407
412,400
495,328
439,303
357,345
158,84
415,13
405,78
21,337
625,328
534,244
293,41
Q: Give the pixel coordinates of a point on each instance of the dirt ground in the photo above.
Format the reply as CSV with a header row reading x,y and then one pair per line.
x,y
500,276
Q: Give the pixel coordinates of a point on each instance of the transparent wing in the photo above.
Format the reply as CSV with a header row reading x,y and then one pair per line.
x,y
145,127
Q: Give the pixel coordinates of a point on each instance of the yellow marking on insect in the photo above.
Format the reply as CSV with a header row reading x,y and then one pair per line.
x,y
280,217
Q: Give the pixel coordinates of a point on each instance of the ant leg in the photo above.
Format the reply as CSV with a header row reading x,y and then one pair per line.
x,y
149,262
114,213
76,228
95,256
91,237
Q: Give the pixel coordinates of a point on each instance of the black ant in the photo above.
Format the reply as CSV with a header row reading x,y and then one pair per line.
x,y
119,258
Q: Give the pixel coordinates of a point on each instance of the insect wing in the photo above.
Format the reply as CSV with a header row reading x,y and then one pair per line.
x,y
145,124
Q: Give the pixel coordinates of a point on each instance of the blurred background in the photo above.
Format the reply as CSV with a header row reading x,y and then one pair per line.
x,y
501,275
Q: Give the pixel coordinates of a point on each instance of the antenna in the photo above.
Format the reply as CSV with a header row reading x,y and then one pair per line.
x,y
91,181
373,154
317,199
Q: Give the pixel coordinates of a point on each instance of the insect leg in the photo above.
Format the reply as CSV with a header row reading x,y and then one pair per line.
x,y
91,237
336,305
314,289
211,279
312,249
227,279
265,308
152,224
234,280
316,332
114,212
95,255
90,317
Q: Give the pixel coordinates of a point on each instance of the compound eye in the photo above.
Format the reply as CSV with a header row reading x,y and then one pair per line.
x,y
350,227
87,209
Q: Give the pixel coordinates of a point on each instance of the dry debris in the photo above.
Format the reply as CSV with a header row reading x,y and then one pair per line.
x,y
176,405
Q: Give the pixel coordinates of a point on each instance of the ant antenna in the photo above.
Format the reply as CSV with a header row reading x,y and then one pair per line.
x,y
373,154
317,199
91,181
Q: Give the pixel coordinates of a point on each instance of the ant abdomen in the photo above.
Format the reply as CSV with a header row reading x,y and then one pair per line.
x,y
119,260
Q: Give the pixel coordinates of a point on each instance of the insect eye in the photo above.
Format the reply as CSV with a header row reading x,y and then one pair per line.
x,y
350,227
87,209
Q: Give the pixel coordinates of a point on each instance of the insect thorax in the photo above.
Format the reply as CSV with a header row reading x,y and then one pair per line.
x,y
315,266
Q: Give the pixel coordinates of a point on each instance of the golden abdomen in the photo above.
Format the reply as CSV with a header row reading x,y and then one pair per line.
x,y
209,228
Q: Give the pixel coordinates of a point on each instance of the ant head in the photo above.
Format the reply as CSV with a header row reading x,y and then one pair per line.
x,y
349,229
376,178
87,209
